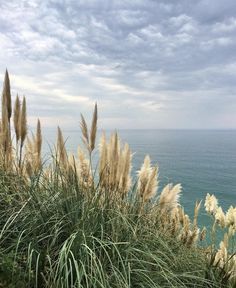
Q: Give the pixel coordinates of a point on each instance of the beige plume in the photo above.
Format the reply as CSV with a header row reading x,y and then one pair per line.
x,y
38,145
84,130
169,197
16,118
103,159
23,122
147,180
93,130
211,204
6,95
61,150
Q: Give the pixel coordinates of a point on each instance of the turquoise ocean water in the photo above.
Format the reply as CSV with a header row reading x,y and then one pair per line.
x,y
203,161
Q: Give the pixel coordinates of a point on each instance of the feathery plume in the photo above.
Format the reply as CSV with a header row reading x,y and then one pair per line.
x,y
73,166
231,231
175,221
84,130
170,196
124,172
6,139
222,254
61,150
72,162
181,215
114,165
196,212
16,118
114,156
29,157
38,145
5,126
185,232
38,139
84,172
6,95
103,158
5,123
147,180
232,270
231,217
93,130
220,217
211,204
6,115
151,187
143,175
23,129
23,122
193,237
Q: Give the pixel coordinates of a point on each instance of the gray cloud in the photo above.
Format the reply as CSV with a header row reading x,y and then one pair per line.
x,y
149,64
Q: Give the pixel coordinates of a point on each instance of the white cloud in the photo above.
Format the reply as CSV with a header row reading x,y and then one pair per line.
x,y
226,26
135,58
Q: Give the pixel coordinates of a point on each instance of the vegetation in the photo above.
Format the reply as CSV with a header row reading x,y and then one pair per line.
x,y
67,224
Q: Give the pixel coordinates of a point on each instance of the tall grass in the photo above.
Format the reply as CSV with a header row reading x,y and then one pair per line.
x,y
66,224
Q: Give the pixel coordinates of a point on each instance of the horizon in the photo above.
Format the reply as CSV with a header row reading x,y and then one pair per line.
x,y
153,65
143,129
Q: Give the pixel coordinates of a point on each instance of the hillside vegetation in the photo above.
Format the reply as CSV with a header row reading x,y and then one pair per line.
x,y
65,223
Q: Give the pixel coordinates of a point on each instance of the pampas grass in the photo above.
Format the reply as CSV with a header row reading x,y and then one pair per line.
x,y
61,150
38,145
23,122
17,118
169,198
147,180
23,129
71,226
6,95
93,130
84,130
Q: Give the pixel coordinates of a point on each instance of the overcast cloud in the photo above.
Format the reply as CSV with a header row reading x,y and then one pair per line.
x,y
148,64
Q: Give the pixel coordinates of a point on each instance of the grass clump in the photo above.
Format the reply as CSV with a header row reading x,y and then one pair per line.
x,y
66,225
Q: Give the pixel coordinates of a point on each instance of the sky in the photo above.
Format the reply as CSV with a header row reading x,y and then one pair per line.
x,y
148,64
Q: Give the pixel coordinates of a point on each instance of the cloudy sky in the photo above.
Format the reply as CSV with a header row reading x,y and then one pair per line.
x,y
148,63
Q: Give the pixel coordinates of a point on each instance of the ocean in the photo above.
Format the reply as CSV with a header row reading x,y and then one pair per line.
x,y
203,161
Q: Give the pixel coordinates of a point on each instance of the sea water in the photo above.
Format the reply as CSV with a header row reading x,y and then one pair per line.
x,y
203,161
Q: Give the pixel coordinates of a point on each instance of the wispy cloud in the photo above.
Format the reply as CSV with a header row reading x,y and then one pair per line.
x,y
154,64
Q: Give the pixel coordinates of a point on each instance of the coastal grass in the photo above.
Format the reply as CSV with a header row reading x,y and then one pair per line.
x,y
58,234
67,223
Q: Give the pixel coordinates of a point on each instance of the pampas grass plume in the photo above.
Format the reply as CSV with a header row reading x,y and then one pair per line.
x,y
222,254
5,123
93,130
143,175
211,204
220,217
38,139
16,118
124,177
6,97
23,122
61,150
169,197
231,216
147,180
84,130
152,184
103,157
196,212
